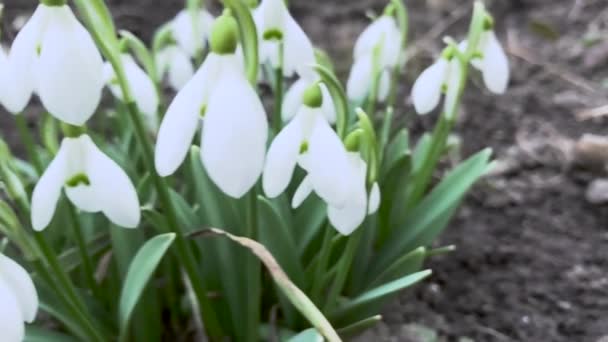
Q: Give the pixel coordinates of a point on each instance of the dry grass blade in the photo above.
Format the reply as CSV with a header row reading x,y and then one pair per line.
x,y
295,295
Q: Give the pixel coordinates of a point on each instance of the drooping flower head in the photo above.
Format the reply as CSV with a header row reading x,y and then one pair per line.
x,y
235,128
308,141
444,75
144,91
276,26
92,182
294,97
378,47
54,56
18,298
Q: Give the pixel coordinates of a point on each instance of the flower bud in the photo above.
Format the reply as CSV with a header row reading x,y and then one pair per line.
x,y
353,140
313,96
72,131
224,35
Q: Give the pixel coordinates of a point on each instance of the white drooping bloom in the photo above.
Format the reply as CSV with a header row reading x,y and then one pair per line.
x,y
176,64
54,56
308,141
92,182
493,63
443,75
191,31
19,300
142,88
359,204
276,26
293,100
235,128
380,43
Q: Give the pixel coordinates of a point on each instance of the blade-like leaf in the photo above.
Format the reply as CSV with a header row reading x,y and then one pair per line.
x,y
358,327
37,334
140,271
295,295
442,199
351,310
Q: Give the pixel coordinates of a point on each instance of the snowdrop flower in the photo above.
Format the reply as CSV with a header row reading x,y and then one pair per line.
x,y
276,26
176,64
381,41
92,182
56,57
443,75
293,100
144,91
191,31
308,141
19,300
492,62
235,128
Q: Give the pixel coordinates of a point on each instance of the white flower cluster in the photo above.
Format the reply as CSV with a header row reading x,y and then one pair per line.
x,y
55,57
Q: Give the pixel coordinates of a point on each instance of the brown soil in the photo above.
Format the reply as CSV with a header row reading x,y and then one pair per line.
x,y
532,257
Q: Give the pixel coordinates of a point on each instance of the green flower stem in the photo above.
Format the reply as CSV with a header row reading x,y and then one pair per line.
x,y
183,248
28,141
253,275
385,132
324,253
87,263
278,92
343,269
49,254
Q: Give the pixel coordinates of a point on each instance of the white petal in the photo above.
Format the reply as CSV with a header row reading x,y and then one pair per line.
x,y
495,65
327,164
115,192
370,37
19,281
180,70
281,159
11,317
183,27
374,199
453,84
360,79
181,121
299,54
271,15
426,92
84,198
48,189
293,99
302,192
143,90
70,69
384,87
352,214
329,108
23,55
234,134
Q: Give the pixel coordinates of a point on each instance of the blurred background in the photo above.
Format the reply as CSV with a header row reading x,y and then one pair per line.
x,y
532,239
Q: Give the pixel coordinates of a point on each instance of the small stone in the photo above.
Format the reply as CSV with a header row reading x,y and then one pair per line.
x,y
597,191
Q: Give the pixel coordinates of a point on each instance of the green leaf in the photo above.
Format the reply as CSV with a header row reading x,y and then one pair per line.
x,y
442,199
277,236
398,149
352,309
295,295
308,335
249,38
407,264
140,271
309,219
37,334
141,52
339,97
359,327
